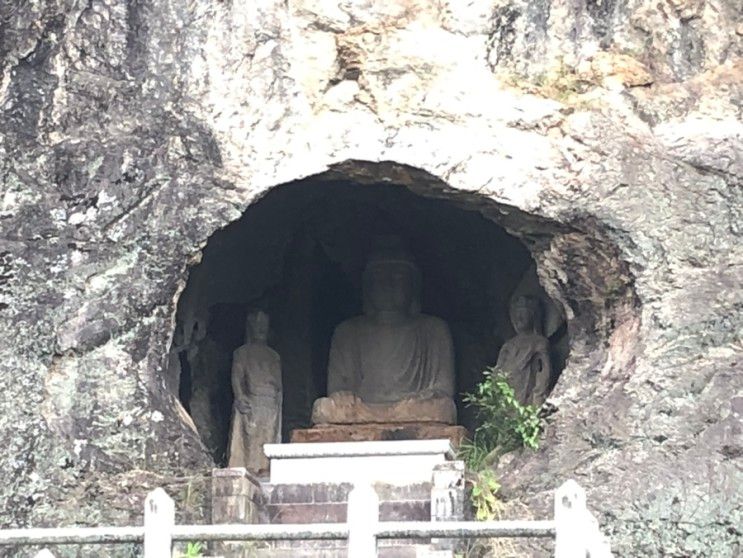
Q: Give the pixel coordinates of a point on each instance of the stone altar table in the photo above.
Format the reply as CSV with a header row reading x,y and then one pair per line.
x,y
392,462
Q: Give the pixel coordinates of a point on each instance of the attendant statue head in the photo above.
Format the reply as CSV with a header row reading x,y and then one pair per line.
x,y
526,314
391,281
256,327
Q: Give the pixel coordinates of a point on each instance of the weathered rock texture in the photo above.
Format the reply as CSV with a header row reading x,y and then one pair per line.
x,y
606,135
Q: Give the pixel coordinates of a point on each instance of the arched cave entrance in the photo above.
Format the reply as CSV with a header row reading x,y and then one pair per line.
x,y
298,253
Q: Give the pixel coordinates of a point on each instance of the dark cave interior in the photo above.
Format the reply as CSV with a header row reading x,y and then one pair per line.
x,y
298,253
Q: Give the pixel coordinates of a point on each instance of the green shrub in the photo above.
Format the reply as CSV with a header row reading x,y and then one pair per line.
x,y
505,424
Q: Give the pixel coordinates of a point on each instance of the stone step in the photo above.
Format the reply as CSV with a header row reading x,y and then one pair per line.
x,y
311,493
327,502
329,512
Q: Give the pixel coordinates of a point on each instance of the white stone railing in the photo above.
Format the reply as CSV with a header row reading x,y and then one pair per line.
x,y
574,529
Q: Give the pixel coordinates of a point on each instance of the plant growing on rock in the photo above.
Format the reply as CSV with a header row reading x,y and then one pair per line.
x,y
484,496
505,424
193,550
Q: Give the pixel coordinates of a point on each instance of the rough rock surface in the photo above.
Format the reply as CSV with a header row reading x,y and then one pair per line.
x,y
606,135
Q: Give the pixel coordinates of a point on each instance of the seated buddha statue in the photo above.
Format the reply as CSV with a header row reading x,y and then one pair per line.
x,y
392,364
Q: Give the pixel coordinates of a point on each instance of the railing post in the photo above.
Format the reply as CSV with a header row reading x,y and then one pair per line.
x,y
597,545
362,520
577,533
447,500
159,519
570,509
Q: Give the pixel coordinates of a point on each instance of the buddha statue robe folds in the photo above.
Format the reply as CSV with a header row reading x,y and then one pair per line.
x,y
525,357
387,362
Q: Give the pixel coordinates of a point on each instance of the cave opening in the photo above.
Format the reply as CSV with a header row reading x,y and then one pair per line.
x,y
298,253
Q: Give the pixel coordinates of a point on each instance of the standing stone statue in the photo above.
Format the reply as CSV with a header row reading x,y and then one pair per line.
x,y
256,384
392,364
525,357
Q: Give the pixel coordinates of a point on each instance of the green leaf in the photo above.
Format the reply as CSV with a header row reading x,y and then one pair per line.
x,y
505,424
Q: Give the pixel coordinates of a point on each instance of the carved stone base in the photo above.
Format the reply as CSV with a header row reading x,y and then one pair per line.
x,y
380,432
344,407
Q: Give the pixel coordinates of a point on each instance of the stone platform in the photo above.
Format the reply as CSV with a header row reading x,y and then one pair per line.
x,y
380,432
237,497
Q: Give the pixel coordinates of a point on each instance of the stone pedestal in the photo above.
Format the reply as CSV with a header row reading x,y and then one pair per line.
x,y
380,432
349,408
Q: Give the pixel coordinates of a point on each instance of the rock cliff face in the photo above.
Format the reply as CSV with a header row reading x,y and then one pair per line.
x,y
606,135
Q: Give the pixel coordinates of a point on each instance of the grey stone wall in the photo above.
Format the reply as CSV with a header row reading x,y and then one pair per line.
x,y
131,130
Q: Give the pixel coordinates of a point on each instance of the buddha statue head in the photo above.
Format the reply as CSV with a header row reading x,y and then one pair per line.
x,y
256,327
526,314
391,281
